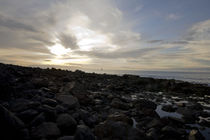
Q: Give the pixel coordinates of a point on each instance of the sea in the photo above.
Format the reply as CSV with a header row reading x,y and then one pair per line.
x,y
193,77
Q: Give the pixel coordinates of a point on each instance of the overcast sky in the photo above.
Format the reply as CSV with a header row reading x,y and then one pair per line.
x,y
108,34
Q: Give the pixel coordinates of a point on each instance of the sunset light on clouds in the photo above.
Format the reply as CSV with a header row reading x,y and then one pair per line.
x,y
108,34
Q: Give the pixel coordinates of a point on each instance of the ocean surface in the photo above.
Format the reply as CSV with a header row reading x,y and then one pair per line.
x,y
193,77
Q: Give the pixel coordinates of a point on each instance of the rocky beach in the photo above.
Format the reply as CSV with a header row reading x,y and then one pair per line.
x,y
54,104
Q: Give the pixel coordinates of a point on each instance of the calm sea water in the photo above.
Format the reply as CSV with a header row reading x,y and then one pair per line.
x,y
194,77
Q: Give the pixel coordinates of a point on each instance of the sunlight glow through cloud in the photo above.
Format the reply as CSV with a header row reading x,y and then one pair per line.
x,y
58,50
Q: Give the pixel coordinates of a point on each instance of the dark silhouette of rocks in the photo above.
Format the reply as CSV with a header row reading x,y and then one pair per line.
x,y
54,104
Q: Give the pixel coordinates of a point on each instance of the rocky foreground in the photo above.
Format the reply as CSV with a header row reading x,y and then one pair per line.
x,y
52,104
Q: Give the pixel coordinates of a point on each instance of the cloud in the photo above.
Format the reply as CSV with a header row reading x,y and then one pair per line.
x,y
68,41
14,24
173,16
96,33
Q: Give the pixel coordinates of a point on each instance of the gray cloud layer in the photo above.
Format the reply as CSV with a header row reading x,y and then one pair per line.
x,y
96,32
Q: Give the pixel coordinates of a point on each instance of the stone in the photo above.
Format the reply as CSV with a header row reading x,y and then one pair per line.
x,y
120,117
142,103
68,101
66,138
27,115
66,123
46,130
195,135
18,105
168,108
60,109
170,132
117,103
118,130
49,113
155,123
10,125
39,119
50,102
83,133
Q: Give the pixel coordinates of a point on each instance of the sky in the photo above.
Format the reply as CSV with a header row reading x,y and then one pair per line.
x,y
106,34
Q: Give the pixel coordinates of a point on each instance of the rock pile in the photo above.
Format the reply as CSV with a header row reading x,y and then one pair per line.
x,y
53,104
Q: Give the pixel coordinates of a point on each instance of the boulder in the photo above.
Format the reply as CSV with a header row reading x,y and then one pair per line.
x,y
39,119
46,130
120,117
117,103
27,115
66,123
11,126
68,101
142,103
83,133
118,130
50,102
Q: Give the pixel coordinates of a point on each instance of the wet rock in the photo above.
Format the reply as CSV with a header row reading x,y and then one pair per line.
x,y
66,123
11,126
68,101
46,130
152,133
83,133
117,103
195,135
168,108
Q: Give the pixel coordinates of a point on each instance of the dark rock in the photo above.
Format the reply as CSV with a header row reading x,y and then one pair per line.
x,y
27,115
39,119
60,109
120,117
11,126
68,101
50,102
19,105
118,130
141,104
155,123
195,135
66,138
170,132
83,133
92,120
66,123
46,130
168,108
117,103
188,115
49,112
152,133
